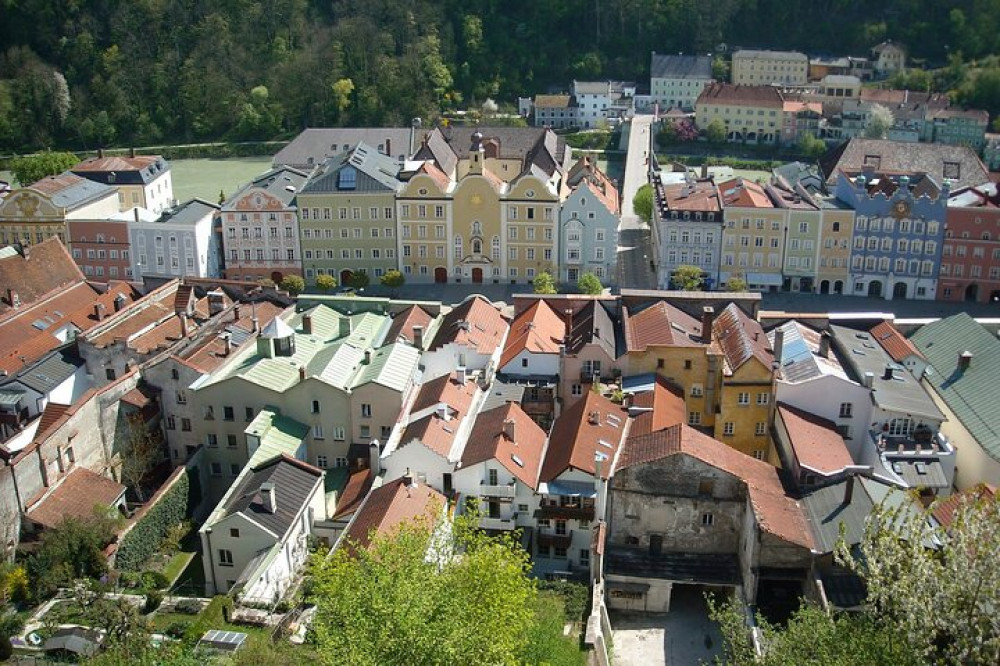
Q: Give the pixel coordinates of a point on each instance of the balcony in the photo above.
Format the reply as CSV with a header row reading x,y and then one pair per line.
x,y
548,538
505,491
488,523
575,511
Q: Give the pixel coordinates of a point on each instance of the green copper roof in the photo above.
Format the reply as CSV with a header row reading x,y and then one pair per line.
x,y
278,434
974,393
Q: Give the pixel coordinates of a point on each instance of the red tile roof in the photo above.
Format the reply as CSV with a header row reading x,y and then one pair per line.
x,y
211,353
660,325
521,456
699,196
359,483
815,441
436,432
117,163
741,338
391,505
474,323
591,426
776,512
80,491
55,184
47,268
944,510
744,193
439,177
897,345
657,409
404,321
740,95
538,330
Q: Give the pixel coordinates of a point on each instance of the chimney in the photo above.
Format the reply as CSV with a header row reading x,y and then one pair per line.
x,y
227,342
184,325
407,478
964,360
704,171
461,375
99,311
824,344
707,317
236,312
442,411
569,321
13,299
255,324
887,372
779,344
100,153
849,490
267,497
345,326
508,429
388,147
869,379
119,302
135,214
599,486
374,458
562,351
302,373
418,337
216,302
368,357
307,323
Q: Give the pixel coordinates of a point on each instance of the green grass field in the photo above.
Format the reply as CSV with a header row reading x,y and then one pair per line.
x,y
205,178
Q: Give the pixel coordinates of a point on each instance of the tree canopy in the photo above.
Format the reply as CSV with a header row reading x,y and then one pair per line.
x,y
589,284
325,282
544,283
688,278
293,284
642,202
31,168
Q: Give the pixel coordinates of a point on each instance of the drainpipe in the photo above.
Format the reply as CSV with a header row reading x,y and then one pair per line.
x,y
211,559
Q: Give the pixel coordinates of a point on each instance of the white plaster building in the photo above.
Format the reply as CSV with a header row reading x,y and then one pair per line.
x,y
178,242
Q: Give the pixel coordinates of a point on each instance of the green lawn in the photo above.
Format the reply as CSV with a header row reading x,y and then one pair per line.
x,y
205,178
176,565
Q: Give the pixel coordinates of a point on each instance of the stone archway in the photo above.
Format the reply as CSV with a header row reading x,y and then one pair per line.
x,y
899,290
824,287
972,293
875,288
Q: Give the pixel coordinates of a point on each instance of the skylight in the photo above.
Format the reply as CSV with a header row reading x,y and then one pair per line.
x,y
348,178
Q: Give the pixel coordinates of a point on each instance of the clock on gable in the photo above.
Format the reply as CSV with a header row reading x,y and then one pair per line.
x,y
901,209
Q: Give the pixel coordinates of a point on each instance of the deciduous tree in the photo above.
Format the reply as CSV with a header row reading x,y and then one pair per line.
x,y
688,278
544,283
393,280
589,284
326,282
642,203
879,123
31,168
293,284
716,132
142,448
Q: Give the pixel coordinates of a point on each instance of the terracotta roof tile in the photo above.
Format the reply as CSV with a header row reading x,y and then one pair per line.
x,y
741,338
660,325
740,95
47,268
537,330
815,441
475,323
592,426
403,323
744,193
521,456
433,430
657,409
211,352
944,510
897,345
776,512
390,505
439,177
359,483
701,196
80,491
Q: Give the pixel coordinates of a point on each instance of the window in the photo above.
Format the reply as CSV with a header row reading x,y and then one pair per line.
x,y
315,406
846,410
109,373
227,413
763,398
707,519
186,425
225,556
317,432
366,410
321,462
576,389
231,441
216,469
744,398
248,414
760,429
171,423
694,418
758,454
234,470
234,533
213,440
729,429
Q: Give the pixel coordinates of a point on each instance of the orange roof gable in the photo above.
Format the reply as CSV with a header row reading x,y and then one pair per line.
x,y
537,330
592,426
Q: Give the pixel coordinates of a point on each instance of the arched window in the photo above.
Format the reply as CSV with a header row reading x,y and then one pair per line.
x,y
836,226
477,246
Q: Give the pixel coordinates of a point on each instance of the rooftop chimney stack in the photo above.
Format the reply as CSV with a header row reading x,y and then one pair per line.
x,y
267,497
184,325
345,326
887,373
407,478
849,490
569,322
216,302
869,379
461,375
227,343
307,323
12,298
824,344
508,429
964,360
236,312
779,344
368,357
707,317
374,458
302,373
418,337
99,311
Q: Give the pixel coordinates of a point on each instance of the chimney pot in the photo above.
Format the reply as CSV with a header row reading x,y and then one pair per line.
x,y
99,311
184,325
824,344
374,458
368,356
707,317
236,312
418,337
508,429
964,360
307,324
887,373
302,373
228,344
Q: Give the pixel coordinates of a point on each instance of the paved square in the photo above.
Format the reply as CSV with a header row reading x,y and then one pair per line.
x,y
683,637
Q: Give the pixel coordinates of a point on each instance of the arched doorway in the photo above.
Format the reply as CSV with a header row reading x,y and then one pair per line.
x,y
899,290
440,274
875,288
477,275
838,287
972,293
824,287
345,277
277,277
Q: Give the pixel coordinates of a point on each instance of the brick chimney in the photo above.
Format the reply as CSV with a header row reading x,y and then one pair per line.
x,y
12,298
508,429
418,337
707,317
184,325
824,344
99,311
236,312
307,323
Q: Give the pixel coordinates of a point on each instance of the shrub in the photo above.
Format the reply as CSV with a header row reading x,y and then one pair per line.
x,y
153,600
575,596
178,629
154,580
188,606
216,613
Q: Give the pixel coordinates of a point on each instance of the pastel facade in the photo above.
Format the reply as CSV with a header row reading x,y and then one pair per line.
x,y
691,222
750,113
101,248
260,232
179,242
676,81
802,240
31,214
761,68
970,260
836,231
588,226
753,239
142,181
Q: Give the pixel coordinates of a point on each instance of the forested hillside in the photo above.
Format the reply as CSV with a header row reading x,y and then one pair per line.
x,y
86,73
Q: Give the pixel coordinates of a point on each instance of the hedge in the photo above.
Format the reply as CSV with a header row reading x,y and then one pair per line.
x,y
171,508
215,615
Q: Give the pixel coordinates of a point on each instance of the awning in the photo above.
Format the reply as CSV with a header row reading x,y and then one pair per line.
x,y
767,279
568,488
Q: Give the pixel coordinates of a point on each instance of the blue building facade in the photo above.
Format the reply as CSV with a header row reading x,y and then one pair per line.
x,y
898,234
588,226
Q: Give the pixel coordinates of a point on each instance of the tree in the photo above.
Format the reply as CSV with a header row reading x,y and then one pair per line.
x,y
421,595
544,283
72,549
11,623
293,284
907,577
642,203
141,449
31,168
688,278
811,146
393,280
326,282
736,283
880,121
716,132
720,69
359,280
589,284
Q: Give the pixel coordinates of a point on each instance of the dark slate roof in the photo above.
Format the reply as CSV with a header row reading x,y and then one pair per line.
x,y
713,568
826,511
973,394
376,173
592,324
293,482
50,371
316,144
537,146
680,67
282,183
906,158
189,212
